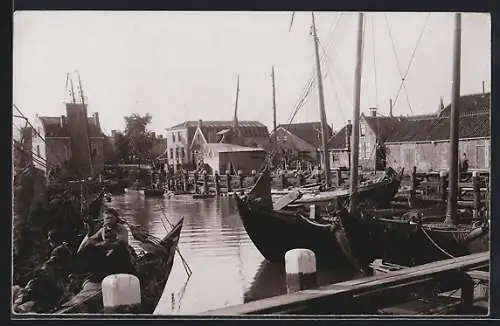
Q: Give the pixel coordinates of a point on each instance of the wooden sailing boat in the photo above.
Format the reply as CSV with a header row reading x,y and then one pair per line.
x,y
409,238
275,230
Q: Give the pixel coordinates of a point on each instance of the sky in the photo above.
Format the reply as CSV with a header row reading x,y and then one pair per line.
x,y
181,66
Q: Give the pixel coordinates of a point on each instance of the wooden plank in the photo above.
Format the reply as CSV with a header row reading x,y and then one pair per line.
x,y
479,275
355,287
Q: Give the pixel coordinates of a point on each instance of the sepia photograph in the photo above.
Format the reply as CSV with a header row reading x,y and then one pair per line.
x,y
232,163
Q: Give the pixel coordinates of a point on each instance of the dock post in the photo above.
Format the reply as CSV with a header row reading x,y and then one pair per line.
x,y
228,181
216,183
477,193
240,180
186,181
205,182
300,176
413,184
312,212
467,294
121,294
300,266
283,180
254,177
195,186
442,186
339,177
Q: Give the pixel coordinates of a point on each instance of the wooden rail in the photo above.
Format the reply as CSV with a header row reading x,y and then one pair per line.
x,y
375,292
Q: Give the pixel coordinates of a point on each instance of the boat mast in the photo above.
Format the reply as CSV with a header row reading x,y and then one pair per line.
x,y
235,118
451,211
355,122
324,125
274,109
86,123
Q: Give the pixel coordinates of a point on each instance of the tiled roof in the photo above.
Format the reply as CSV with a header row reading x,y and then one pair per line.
x,y
470,126
217,124
52,127
382,126
472,103
310,132
339,141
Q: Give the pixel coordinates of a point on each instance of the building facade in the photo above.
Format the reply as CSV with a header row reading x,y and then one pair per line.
x,y
74,140
421,140
181,149
301,140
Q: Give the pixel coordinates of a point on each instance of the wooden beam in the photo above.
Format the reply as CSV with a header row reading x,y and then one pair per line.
x,y
347,290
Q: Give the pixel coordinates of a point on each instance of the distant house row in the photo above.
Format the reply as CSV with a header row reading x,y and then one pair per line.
x,y
420,140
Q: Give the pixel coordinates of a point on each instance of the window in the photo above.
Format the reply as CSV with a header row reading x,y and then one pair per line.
x,y
178,136
176,152
285,138
182,152
361,130
171,153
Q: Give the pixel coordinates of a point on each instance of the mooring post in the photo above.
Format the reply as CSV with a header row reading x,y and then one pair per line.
x,y
185,178
467,294
312,212
339,176
240,180
195,186
477,193
121,294
442,186
228,181
205,182
300,176
413,185
283,180
216,183
300,266
254,177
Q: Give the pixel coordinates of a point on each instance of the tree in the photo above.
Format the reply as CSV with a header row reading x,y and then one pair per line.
x,y
140,140
122,147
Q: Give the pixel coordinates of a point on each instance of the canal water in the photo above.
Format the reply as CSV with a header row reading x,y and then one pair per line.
x,y
226,267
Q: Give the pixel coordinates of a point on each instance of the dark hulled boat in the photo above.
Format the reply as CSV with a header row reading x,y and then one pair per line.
x,y
154,192
154,269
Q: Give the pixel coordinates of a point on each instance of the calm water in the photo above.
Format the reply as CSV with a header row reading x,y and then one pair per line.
x,y
227,268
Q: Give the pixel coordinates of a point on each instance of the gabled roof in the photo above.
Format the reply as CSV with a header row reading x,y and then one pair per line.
x,y
338,141
217,124
470,104
310,132
52,127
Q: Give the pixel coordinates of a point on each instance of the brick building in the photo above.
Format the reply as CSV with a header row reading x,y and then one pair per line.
x,y
421,140
181,148
74,140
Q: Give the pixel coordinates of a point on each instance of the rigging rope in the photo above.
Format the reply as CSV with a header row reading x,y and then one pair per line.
x,y
435,244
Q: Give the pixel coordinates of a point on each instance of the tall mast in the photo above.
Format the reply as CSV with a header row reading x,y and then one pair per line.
x,y
235,119
274,109
355,124
324,124
72,89
86,123
451,211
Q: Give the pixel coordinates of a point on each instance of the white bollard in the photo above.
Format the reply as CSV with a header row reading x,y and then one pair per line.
x,y
121,293
300,266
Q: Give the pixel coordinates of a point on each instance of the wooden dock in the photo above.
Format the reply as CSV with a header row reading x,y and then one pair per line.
x,y
369,295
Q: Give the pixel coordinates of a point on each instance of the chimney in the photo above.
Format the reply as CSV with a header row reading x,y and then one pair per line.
x,y
96,119
390,107
484,91
373,112
153,134
199,123
63,121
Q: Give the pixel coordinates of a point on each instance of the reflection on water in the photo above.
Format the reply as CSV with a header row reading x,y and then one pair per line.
x,y
227,268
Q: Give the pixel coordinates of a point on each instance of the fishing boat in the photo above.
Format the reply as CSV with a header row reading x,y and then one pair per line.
x,y
154,266
411,238
154,192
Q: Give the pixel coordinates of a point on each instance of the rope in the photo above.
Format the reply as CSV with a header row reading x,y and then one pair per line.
x,y
436,245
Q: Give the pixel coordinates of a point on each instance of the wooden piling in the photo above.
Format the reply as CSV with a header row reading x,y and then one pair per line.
x,y
195,187
300,266
205,182
338,173
477,193
413,184
442,186
228,181
240,179
216,183
254,177
284,181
